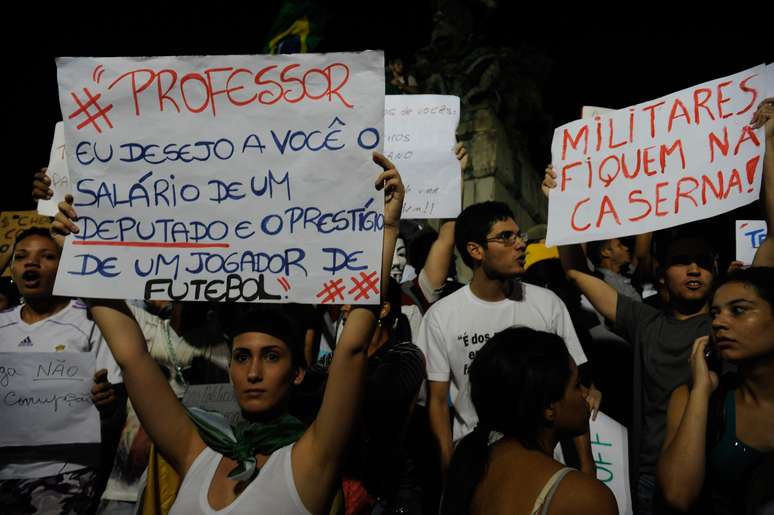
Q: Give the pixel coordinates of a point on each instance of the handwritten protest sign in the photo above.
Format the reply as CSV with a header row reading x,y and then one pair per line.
x,y
419,137
58,173
680,158
11,222
609,447
749,236
45,398
214,397
224,178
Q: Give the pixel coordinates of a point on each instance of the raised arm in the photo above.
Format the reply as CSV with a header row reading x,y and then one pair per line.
x,y
680,469
764,256
317,455
157,407
602,296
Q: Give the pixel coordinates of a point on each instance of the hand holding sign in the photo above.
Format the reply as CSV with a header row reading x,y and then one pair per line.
x,y
103,393
41,185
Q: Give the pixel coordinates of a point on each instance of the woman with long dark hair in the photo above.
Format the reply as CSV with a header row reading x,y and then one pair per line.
x,y
718,455
526,391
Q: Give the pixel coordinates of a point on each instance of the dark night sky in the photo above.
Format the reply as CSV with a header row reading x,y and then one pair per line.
x,y
595,60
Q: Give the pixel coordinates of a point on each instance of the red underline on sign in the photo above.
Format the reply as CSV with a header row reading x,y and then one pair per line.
x,y
181,245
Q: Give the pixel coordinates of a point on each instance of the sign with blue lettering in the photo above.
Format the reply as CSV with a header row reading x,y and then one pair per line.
x,y
45,398
749,236
224,178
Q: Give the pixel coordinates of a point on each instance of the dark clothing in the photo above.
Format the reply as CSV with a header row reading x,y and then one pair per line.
x,y
738,479
395,373
661,349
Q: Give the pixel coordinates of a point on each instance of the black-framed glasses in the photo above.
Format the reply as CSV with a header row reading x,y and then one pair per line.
x,y
508,238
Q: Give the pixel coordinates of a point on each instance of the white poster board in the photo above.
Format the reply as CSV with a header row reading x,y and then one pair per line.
x,y
683,157
224,178
419,138
58,173
749,236
45,398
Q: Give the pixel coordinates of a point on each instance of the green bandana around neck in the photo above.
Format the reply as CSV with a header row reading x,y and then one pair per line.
x,y
246,439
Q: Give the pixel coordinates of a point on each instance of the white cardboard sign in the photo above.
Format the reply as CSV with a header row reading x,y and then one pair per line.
x,y
419,138
45,398
749,236
58,173
683,157
224,178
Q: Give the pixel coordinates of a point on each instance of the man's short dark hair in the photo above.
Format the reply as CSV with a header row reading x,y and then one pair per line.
x,y
474,223
594,250
691,247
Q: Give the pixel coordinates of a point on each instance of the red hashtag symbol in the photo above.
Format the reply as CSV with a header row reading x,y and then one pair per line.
x,y
84,109
362,287
331,290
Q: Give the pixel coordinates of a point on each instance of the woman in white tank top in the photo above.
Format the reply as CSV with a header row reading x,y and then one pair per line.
x,y
293,476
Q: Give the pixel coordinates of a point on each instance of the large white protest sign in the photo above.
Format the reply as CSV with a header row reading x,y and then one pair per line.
x,y
45,398
419,138
749,236
680,158
58,173
236,178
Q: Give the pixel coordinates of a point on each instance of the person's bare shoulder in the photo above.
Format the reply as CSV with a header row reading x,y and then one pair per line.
x,y
580,494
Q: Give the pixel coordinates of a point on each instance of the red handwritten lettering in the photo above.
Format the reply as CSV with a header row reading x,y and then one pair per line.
x,y
722,100
652,111
748,134
607,208
574,212
674,116
685,194
747,89
714,141
701,102
664,152
583,134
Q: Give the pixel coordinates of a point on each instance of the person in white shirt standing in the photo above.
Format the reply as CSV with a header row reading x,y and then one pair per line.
x,y
64,478
456,327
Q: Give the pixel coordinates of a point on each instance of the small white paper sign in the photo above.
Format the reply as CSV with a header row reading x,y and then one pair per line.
x,y
610,450
58,173
749,236
45,398
214,397
419,138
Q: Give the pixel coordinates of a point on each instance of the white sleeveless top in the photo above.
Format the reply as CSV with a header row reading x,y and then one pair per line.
x,y
273,492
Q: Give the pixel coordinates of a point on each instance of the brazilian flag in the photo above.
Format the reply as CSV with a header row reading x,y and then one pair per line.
x,y
297,28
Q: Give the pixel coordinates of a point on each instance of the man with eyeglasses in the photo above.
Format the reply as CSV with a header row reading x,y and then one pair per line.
x,y
456,327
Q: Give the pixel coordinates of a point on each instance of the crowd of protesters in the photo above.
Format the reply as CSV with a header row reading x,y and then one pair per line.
x,y
443,397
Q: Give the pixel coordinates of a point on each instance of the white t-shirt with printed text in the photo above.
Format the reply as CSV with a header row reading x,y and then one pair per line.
x,y
456,327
